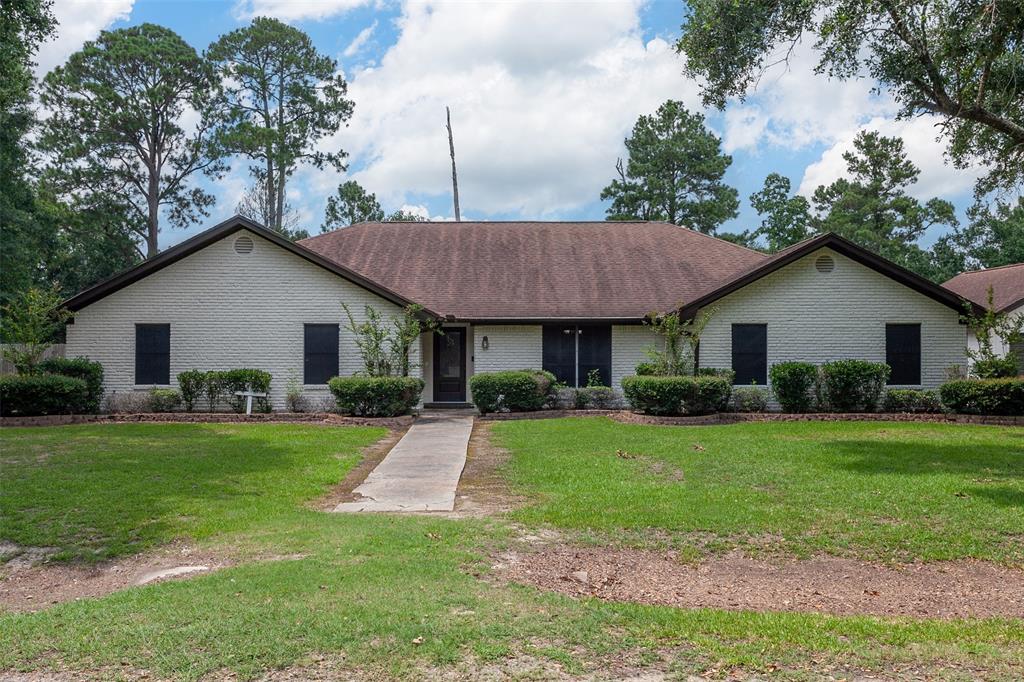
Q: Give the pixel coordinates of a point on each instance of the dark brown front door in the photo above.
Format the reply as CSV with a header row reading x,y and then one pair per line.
x,y
450,365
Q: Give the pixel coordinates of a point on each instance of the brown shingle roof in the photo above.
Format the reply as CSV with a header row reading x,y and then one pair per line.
x,y
537,270
1007,284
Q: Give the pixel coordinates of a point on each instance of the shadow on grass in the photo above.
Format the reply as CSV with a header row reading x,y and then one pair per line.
x,y
924,457
119,491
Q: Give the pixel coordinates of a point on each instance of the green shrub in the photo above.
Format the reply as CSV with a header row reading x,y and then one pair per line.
x,y
995,368
793,385
647,369
246,379
192,385
164,399
79,368
911,400
213,388
677,395
749,399
521,390
852,385
595,398
984,396
723,372
30,395
376,396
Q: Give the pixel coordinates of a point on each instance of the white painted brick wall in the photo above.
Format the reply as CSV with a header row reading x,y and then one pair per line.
x,y
817,317
226,310
629,343
517,346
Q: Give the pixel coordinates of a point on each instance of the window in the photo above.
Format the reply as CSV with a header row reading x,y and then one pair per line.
x,y
1018,351
153,354
903,353
571,352
320,361
750,353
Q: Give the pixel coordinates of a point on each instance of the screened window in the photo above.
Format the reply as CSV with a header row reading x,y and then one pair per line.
x,y
1018,351
572,352
321,353
750,353
153,354
903,353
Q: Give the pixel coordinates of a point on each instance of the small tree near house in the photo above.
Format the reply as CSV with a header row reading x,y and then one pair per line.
x,y
680,339
31,324
988,327
386,348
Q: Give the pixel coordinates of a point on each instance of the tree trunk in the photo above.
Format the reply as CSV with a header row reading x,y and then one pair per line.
x,y
455,177
153,219
268,191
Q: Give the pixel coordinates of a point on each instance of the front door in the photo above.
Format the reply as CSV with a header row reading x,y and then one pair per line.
x,y
450,365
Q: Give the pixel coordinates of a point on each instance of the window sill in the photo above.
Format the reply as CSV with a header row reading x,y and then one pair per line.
x,y
147,387
315,387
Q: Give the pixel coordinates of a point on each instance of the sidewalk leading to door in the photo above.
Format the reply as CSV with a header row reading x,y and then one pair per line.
x,y
421,472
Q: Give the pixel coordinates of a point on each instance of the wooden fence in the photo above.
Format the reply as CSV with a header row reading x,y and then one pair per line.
x,y
54,351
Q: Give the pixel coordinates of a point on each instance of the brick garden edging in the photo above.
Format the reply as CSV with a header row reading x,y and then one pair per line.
x,y
627,417
326,418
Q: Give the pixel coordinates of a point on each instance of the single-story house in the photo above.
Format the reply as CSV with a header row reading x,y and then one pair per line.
x,y
1007,284
570,297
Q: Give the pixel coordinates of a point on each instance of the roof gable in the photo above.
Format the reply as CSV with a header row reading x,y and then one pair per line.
x,y
842,246
204,239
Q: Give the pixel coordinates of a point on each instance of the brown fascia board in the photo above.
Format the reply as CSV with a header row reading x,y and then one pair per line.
x,y
215,233
852,251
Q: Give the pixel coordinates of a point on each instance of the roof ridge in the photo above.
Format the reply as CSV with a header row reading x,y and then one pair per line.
x,y
994,267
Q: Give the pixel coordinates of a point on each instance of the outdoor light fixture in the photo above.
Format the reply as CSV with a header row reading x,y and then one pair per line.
x,y
485,344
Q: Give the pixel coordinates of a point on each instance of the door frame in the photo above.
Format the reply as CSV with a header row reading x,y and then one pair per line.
x,y
464,333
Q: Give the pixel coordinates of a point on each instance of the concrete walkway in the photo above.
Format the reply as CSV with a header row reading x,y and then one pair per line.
x,y
421,472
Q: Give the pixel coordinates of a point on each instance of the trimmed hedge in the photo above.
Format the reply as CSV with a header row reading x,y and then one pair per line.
x,y
192,384
911,400
676,395
984,396
749,399
245,379
851,385
522,390
164,399
33,395
995,368
595,398
376,396
793,385
79,368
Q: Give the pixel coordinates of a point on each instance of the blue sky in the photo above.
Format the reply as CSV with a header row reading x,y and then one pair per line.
x,y
542,95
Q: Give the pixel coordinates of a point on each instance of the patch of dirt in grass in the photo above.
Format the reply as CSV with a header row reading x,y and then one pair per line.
x,y
734,581
27,587
371,457
482,490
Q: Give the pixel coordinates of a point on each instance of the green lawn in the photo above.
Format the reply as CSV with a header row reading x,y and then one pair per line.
x,y
889,491
400,595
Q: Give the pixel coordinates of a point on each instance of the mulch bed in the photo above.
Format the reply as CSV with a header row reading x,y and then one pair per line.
x,y
628,417
947,589
326,418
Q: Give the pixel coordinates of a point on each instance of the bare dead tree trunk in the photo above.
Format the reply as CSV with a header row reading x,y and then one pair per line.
x,y
455,177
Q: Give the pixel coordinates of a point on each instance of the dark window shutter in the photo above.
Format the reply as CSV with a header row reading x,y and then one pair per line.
x,y
153,354
320,356
559,354
903,353
750,353
595,353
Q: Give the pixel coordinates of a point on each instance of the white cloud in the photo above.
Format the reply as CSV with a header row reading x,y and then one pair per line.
x,y
359,42
542,96
295,10
78,21
937,179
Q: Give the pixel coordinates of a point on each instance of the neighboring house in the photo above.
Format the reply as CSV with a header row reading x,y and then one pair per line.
x,y
1007,284
568,297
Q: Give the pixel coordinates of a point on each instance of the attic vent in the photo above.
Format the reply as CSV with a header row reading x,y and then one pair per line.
x,y
243,245
825,264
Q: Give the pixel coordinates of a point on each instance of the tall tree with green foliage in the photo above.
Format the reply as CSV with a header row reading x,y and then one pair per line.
x,y
351,204
121,126
24,24
280,98
871,205
673,173
785,217
997,233
959,59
